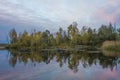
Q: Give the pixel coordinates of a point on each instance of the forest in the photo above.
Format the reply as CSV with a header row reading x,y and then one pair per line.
x,y
64,38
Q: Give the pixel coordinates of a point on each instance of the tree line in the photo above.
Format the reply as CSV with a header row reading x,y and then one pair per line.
x,y
70,37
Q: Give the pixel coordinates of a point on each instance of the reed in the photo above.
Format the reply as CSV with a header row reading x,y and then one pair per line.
x,y
111,45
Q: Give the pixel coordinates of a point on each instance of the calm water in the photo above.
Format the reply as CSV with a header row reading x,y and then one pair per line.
x,y
59,66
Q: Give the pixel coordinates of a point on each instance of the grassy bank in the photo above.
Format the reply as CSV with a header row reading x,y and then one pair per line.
x,y
111,46
52,48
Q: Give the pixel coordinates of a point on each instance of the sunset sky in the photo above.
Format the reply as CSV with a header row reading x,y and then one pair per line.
x,y
52,14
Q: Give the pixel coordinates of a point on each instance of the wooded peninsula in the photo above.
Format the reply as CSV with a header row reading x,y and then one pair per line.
x,y
69,38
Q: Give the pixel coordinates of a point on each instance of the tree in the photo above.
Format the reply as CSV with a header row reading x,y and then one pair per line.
x,y
73,33
52,40
65,37
69,31
118,31
118,35
92,36
84,36
58,37
13,36
106,33
25,39
61,34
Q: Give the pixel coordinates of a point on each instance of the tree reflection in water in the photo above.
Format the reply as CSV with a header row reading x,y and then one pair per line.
x,y
73,59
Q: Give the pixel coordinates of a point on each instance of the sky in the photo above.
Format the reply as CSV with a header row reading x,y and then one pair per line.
x,y
52,14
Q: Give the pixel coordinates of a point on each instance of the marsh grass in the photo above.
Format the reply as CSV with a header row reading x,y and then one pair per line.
x,y
111,46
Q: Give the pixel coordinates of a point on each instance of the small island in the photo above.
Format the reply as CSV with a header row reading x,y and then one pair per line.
x,y
106,37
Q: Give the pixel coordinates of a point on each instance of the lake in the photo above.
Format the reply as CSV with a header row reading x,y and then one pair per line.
x,y
58,66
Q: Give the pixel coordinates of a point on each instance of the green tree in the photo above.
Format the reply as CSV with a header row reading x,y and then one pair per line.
x,y
13,36
52,40
106,33
84,36
25,39
61,34
58,37
73,33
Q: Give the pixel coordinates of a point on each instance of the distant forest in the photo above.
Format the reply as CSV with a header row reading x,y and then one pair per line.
x,y
70,37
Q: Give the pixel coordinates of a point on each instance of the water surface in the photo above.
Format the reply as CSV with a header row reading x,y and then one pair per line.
x,y
58,66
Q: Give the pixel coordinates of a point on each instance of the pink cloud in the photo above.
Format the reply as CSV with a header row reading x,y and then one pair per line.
x,y
110,12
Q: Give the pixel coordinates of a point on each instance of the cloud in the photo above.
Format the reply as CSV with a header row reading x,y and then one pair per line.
x,y
18,14
109,12
59,12
47,14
